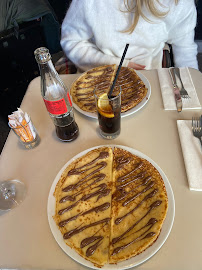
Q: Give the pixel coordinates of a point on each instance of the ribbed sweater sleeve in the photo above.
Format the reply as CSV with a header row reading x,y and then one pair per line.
x,y
181,35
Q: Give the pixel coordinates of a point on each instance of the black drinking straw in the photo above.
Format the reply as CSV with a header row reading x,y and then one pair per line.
x,y
117,73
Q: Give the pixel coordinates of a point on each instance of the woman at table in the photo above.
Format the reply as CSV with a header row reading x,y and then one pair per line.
x,y
95,32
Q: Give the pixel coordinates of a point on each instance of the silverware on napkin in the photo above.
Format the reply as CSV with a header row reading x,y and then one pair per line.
x,y
192,154
197,128
176,90
183,91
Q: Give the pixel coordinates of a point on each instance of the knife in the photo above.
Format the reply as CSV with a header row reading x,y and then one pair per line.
x,y
176,90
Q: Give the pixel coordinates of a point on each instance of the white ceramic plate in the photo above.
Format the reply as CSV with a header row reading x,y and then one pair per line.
x,y
148,253
129,112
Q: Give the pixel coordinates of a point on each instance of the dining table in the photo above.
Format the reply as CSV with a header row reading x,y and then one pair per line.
x,y
26,239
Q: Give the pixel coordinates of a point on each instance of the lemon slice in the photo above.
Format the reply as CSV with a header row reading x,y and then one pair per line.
x,y
104,107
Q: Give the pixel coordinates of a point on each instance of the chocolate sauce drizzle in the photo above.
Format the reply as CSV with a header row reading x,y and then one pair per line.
x,y
92,177
139,238
135,178
102,164
102,80
120,193
121,162
102,192
83,181
128,175
148,196
149,224
64,222
99,208
132,91
80,229
87,241
152,206
132,198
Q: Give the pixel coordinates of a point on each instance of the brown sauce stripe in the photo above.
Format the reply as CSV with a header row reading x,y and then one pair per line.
x,y
152,206
148,196
96,209
101,192
78,230
118,249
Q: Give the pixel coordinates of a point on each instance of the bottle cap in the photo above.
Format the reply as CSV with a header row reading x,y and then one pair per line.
x,y
42,55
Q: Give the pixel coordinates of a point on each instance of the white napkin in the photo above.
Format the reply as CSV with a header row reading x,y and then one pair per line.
x,y
167,90
192,154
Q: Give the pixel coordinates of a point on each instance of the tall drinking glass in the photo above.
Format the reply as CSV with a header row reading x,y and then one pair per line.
x,y
109,112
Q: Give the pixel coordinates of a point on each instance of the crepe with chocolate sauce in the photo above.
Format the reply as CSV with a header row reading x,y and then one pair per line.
x,y
83,205
133,90
139,205
110,205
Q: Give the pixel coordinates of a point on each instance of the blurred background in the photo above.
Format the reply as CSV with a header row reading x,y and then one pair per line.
x,y
24,26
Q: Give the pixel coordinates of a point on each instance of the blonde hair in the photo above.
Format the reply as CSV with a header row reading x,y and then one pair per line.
x,y
137,10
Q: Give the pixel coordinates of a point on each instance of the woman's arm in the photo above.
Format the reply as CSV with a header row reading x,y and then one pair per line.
x,y
77,36
185,51
181,35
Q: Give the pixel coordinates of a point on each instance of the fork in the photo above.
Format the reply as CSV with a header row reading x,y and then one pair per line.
x,y
197,128
183,91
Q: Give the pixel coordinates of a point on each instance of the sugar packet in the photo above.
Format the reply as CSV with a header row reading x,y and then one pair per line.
x,y
22,124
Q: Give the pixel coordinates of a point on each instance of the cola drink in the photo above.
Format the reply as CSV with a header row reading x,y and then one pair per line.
x,y
56,97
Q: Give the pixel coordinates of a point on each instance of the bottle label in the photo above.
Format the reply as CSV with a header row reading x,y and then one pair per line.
x,y
56,107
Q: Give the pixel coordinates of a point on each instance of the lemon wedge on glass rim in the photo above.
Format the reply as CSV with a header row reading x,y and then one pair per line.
x,y
104,107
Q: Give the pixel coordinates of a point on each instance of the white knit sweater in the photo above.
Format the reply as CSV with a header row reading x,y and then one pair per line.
x,y
92,34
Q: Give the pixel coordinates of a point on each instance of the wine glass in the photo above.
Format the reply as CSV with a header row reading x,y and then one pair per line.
x,y
12,193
